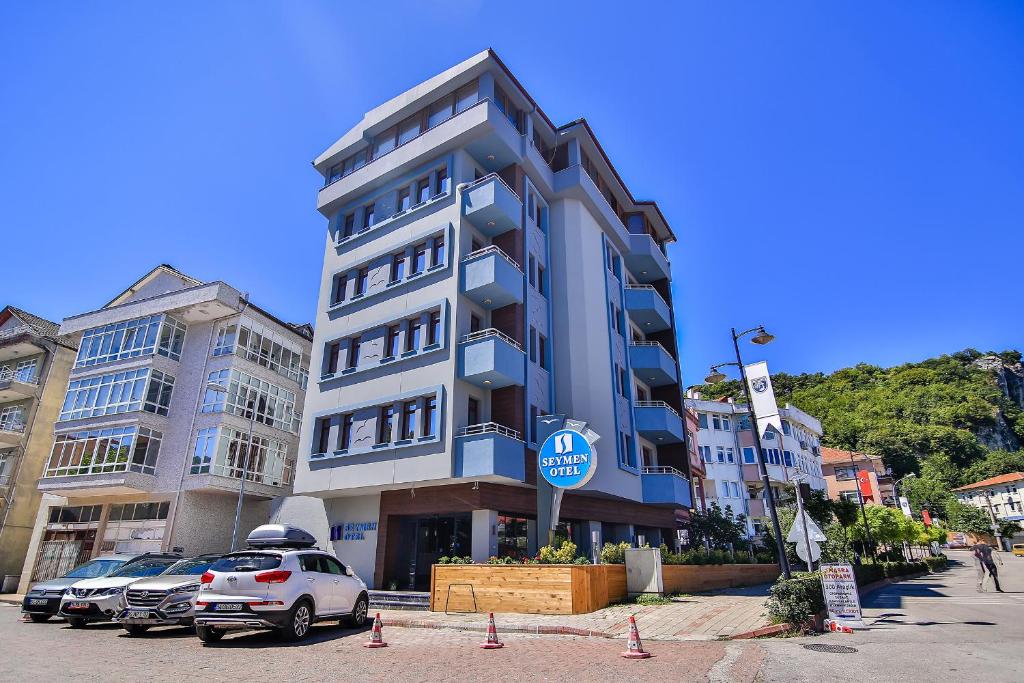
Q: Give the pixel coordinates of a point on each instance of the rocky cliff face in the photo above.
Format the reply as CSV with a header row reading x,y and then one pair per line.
x,y
1010,379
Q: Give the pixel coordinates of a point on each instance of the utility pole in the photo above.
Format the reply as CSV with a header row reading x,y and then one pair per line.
x,y
863,511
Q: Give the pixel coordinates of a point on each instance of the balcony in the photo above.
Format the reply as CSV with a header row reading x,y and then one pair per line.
x,y
647,308
11,433
645,260
491,278
101,480
492,206
491,360
19,342
17,386
489,450
665,486
657,421
652,364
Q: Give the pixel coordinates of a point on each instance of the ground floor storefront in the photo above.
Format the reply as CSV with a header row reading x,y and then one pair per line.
x,y
392,538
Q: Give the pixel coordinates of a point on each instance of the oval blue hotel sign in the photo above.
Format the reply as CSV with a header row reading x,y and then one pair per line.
x,y
567,460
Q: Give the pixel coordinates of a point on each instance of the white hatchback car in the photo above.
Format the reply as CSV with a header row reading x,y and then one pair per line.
x,y
281,583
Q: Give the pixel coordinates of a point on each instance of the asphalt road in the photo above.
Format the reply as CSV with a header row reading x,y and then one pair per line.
x,y
934,628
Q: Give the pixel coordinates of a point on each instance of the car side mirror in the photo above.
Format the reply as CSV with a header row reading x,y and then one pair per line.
x,y
348,571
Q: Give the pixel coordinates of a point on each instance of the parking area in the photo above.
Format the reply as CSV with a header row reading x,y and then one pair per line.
x,y
52,651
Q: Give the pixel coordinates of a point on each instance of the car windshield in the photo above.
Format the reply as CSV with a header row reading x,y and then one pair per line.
x,y
144,568
247,562
195,565
94,569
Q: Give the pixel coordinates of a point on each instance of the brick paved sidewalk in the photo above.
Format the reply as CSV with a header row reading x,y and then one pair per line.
x,y
693,617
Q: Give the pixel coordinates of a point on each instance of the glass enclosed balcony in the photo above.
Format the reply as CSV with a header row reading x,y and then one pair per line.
x,y
489,449
492,206
491,278
647,309
491,359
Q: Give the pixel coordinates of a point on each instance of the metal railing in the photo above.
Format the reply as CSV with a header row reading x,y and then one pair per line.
x,y
662,469
14,427
489,428
19,376
650,343
656,404
491,249
490,332
640,287
466,187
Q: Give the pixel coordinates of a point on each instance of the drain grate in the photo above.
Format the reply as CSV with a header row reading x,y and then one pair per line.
x,y
835,649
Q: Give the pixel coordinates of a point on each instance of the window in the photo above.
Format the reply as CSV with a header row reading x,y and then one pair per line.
x,y
391,341
422,190
466,97
440,111
384,143
323,427
726,426
408,129
735,488
430,416
261,348
729,456
348,225
362,280
629,457
160,334
409,420
473,411
100,451
12,418
641,394
434,328
353,352
720,453
533,344
333,355
338,290
749,457
541,285
412,336
532,268
419,258
474,323
542,351
623,382
786,429
743,423
226,337
441,184
262,460
119,392
346,432
787,458
247,395
398,267
368,216
437,252
384,426
702,420
716,422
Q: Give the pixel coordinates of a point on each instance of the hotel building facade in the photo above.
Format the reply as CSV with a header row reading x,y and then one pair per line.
x,y
151,438
483,267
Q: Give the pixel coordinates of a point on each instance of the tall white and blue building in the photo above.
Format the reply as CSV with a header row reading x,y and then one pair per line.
x,y
483,266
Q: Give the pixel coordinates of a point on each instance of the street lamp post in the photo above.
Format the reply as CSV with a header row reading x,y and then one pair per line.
x,y
762,337
251,407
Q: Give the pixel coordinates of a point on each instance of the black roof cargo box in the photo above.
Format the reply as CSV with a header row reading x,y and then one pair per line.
x,y
280,536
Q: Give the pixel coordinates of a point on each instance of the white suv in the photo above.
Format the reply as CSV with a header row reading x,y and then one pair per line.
x,y
282,583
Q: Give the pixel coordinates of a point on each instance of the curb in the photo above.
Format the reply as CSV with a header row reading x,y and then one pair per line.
x,y
11,600
775,629
510,628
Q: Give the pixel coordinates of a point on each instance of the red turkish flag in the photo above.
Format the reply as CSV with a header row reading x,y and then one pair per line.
x,y
864,481
926,518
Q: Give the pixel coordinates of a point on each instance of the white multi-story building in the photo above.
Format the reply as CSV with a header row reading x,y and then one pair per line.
x,y
726,445
484,267
1002,497
152,439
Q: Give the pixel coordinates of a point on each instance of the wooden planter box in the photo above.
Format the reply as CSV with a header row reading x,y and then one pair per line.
x,y
526,589
696,578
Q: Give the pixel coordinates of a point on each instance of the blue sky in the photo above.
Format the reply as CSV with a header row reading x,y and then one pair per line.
x,y
850,174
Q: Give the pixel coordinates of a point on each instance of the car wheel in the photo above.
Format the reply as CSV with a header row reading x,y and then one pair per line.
x,y
359,610
208,634
299,621
136,629
76,622
39,618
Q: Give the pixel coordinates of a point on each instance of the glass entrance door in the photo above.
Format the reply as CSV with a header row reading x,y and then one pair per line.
x,y
424,540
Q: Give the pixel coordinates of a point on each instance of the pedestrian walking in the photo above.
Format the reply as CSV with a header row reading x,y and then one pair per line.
x,y
985,560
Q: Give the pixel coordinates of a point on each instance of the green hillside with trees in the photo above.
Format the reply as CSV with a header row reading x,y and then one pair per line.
x,y
952,420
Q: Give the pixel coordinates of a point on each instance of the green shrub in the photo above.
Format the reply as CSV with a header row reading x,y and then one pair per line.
x,y
795,600
444,560
868,573
652,599
613,553
564,554
501,560
764,557
937,563
581,560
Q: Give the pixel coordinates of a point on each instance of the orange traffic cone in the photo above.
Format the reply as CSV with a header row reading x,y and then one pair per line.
x,y
376,637
492,642
635,649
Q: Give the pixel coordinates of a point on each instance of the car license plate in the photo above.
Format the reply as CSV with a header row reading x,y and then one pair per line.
x,y
137,614
37,601
78,605
228,606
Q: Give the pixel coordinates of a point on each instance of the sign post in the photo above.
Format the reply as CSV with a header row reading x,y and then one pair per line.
x,y
567,459
842,600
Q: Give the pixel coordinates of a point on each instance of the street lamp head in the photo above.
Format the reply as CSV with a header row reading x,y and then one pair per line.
x,y
715,377
762,337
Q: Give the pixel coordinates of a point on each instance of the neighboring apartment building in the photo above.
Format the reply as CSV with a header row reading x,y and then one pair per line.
x,y
34,366
850,475
1002,496
484,267
726,445
152,437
